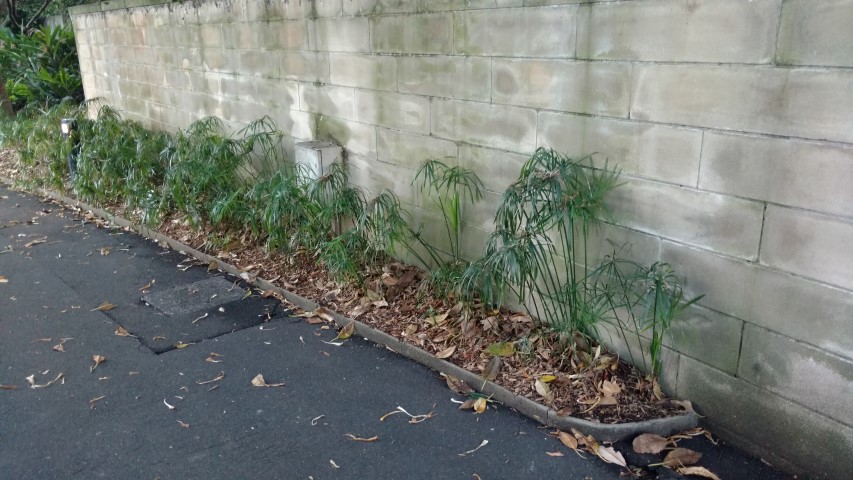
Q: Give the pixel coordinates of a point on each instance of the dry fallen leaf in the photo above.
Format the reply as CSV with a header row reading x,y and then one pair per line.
x,y
182,345
610,388
105,307
3,279
8,387
480,405
467,404
35,242
214,379
105,250
59,347
346,332
359,439
447,352
568,440
212,266
122,332
183,424
482,444
680,457
259,381
32,381
492,369
98,359
149,285
609,455
698,471
334,465
649,443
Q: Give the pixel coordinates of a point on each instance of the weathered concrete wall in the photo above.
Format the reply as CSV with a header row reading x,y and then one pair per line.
x,y
732,121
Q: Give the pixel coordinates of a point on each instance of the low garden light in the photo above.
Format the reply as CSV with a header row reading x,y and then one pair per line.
x,y
68,127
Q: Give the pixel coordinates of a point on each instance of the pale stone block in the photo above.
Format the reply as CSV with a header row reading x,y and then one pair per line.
x,y
546,32
328,8
498,126
727,31
448,5
358,138
345,34
816,33
658,152
263,63
394,110
807,244
811,175
410,151
291,9
245,35
707,336
425,33
757,419
305,66
497,169
211,35
581,87
717,222
377,7
606,239
278,94
301,123
328,100
799,308
220,60
375,176
364,71
286,35
237,87
782,101
454,77
798,372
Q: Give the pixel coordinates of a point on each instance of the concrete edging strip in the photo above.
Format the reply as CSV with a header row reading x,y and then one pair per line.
x,y
542,414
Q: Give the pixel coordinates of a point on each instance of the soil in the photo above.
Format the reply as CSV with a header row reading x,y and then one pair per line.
x,y
577,378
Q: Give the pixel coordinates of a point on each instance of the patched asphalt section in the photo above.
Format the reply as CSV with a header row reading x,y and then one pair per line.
x,y
200,311
189,414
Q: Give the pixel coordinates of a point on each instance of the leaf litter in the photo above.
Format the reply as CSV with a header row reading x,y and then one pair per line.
x,y
259,381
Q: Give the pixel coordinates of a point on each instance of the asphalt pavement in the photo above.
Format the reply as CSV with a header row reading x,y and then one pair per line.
x,y
172,395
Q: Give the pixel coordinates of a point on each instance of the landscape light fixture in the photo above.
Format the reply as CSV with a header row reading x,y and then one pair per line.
x,y
68,126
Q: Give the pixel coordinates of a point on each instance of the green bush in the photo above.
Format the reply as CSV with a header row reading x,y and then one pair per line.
x,y
40,67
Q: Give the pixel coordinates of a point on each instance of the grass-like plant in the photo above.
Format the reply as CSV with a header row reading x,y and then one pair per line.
x,y
538,251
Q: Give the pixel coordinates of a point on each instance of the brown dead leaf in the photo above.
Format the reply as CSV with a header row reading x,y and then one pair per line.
x,y
35,242
610,388
649,443
105,307
359,310
32,381
59,347
8,387
467,404
259,381
492,369
3,279
158,338
360,439
183,424
698,471
147,286
182,345
685,405
212,266
457,385
122,332
480,405
568,440
446,353
680,457
98,359
105,251
346,332
554,454
389,280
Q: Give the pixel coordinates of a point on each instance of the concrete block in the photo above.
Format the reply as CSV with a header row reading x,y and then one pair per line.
x,y
328,8
344,34
262,63
724,224
278,94
798,372
305,66
648,150
808,244
449,5
291,9
797,102
497,169
358,138
460,78
238,87
245,35
219,60
364,71
116,36
184,36
757,419
410,151
377,7
425,33
793,306
287,35
629,244
211,35
546,32
497,126
375,176
810,175
580,87
328,100
302,124
727,31
710,337
816,33
394,110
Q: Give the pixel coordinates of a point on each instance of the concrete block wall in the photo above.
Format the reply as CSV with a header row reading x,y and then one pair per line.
x,y
732,121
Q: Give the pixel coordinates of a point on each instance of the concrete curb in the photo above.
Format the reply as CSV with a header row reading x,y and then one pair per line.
x,y
540,413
